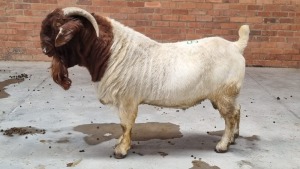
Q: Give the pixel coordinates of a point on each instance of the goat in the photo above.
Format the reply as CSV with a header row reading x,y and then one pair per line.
x,y
128,68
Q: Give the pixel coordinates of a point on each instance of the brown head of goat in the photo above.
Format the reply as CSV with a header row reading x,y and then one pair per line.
x,y
71,36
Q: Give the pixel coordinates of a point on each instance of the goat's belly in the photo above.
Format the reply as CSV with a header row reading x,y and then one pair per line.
x,y
177,100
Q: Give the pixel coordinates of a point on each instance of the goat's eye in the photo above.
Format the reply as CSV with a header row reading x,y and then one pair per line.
x,y
58,24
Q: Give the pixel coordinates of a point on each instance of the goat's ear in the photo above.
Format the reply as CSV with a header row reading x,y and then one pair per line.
x,y
66,32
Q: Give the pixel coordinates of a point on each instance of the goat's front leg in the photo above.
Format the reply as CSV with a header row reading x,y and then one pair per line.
x,y
127,114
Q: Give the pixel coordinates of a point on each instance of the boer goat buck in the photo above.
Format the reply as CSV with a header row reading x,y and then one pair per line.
x,y
129,69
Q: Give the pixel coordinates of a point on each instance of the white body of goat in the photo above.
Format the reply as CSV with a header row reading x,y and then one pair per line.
x,y
143,71
170,74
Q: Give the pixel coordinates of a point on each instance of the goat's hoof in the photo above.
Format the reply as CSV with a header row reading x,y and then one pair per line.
x,y
220,151
119,156
222,148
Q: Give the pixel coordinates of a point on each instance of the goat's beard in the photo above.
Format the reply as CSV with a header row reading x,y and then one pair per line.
x,y
60,73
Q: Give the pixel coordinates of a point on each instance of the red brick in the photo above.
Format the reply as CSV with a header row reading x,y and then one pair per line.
x,y
288,8
118,16
204,6
265,14
291,64
272,7
128,10
221,6
170,17
281,2
264,1
280,14
154,30
277,39
145,10
84,2
204,18
187,18
286,20
154,17
237,19
32,1
136,17
49,1
180,11
168,4
221,19
269,33
247,1
163,11
160,23
214,1
135,4
296,57
186,5
285,33
238,6
117,3
22,6
254,7
177,24
153,4
143,23
111,10
254,19
101,3
170,31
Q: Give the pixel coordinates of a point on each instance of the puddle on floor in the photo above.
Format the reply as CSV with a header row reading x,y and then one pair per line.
x,y
220,133
63,140
5,83
22,131
198,164
98,133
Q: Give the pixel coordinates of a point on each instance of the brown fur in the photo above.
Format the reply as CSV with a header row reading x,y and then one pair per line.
x,y
78,45
60,73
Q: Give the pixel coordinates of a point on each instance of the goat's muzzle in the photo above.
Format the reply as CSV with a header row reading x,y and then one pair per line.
x,y
60,73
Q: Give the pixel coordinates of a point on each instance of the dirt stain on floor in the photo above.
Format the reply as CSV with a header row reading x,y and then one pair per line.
x,y
22,131
5,83
198,164
98,133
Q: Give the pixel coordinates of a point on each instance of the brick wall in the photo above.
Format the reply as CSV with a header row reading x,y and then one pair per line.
x,y
275,24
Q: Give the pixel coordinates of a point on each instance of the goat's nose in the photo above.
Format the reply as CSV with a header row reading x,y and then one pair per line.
x,y
45,50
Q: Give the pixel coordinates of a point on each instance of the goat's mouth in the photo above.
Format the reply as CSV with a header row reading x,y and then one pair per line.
x,y
60,73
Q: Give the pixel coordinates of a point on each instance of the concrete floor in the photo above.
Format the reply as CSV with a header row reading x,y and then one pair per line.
x,y
80,132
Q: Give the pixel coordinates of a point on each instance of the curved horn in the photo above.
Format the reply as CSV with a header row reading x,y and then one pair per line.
x,y
78,11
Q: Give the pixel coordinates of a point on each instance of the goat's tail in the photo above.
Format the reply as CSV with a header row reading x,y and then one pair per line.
x,y
244,37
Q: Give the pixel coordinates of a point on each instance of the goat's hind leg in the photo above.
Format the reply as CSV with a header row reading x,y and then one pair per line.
x,y
230,112
127,114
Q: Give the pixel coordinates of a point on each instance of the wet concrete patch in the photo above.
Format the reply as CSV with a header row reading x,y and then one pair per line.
x,y
98,133
5,83
22,131
198,164
13,79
